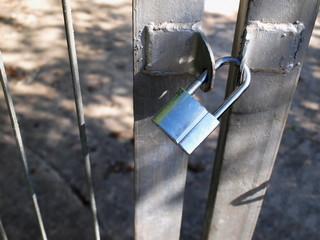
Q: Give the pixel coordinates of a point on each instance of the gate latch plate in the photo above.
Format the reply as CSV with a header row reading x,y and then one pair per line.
x,y
178,49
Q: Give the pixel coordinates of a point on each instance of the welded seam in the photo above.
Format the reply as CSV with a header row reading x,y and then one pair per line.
x,y
294,31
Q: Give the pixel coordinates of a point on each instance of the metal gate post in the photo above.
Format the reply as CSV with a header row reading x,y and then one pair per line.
x,y
272,38
160,165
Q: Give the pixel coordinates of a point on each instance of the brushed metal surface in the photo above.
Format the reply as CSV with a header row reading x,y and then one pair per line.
x,y
271,45
160,165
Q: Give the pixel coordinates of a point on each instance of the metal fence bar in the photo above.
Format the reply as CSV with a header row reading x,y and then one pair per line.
x,y
160,165
3,232
18,138
66,6
272,38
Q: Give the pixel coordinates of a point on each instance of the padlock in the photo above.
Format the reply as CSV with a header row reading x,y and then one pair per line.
x,y
186,121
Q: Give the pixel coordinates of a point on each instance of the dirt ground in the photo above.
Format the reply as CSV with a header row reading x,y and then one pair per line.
x,y
33,45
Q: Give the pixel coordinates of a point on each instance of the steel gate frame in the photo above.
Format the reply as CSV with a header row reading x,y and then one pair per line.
x,y
160,166
250,136
250,133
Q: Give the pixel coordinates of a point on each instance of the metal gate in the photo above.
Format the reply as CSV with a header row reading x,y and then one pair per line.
x,y
271,38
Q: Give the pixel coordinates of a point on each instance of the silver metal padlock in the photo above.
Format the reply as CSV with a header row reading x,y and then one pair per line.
x,y
186,121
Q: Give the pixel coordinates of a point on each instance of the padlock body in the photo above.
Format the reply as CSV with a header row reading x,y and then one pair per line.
x,y
199,133
185,121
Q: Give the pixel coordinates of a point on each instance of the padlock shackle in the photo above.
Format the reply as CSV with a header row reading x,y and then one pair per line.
x,y
195,86
226,61
245,76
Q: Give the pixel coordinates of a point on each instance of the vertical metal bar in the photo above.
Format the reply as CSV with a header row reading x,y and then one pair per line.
x,y
18,138
160,165
66,6
3,232
272,38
